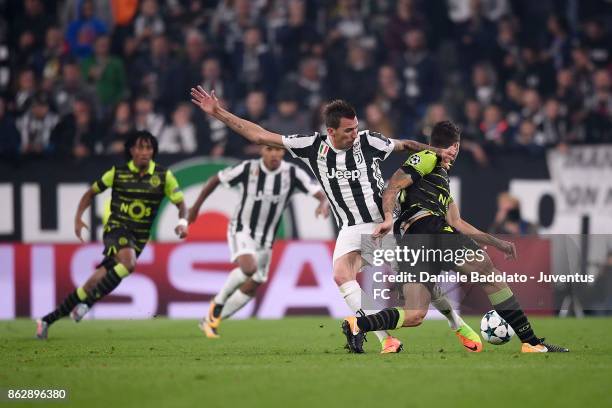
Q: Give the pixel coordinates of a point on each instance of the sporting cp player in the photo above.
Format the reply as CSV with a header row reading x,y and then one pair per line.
x,y
346,164
266,186
138,188
428,210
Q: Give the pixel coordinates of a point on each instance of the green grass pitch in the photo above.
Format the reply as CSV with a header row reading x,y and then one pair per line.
x,y
299,362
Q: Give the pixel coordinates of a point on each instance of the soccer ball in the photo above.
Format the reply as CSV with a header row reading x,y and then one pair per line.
x,y
494,329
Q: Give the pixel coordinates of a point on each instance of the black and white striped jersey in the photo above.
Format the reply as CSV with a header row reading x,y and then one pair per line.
x,y
265,194
350,178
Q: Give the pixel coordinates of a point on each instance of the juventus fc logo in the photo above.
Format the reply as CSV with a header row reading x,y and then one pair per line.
x,y
357,153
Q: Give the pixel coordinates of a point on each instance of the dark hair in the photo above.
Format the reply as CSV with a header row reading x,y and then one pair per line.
x,y
444,134
336,110
132,140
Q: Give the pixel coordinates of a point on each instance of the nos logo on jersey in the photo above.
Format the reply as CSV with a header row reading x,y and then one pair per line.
x,y
346,174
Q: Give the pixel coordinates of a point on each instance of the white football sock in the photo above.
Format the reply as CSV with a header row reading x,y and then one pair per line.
x,y
234,280
235,302
352,293
441,303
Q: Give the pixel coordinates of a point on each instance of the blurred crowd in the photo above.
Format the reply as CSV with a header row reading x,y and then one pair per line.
x,y
76,76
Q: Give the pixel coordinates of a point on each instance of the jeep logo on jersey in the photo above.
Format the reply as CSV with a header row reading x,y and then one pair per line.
x,y
271,198
346,174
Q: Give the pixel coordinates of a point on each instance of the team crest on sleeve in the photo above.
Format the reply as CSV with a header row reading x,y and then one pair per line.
x,y
323,149
414,160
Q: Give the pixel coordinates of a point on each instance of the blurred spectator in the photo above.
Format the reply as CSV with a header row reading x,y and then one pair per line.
x,y
470,123
528,140
71,86
418,69
28,30
554,127
196,48
26,87
583,71
346,23
254,63
494,127
405,18
535,72
597,41
145,117
308,84
48,61
106,73
507,52
256,107
288,119
569,99
532,107
377,121
358,70
36,125
77,134
297,37
559,47
599,108
161,76
230,21
9,135
512,102
120,129
435,113
483,84
475,36
211,79
148,23
508,218
390,99
83,32
180,136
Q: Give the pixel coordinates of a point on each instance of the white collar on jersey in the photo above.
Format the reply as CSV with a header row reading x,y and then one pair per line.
x,y
269,172
327,140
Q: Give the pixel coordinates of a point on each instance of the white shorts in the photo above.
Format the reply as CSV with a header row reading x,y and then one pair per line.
x,y
241,243
355,238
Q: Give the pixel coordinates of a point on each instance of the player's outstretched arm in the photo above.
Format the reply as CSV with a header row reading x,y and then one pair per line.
x,y
254,133
84,204
453,217
207,190
447,155
399,181
181,227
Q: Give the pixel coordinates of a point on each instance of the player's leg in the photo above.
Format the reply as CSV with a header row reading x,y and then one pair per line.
x,y
246,292
71,301
125,263
246,267
345,269
507,306
412,314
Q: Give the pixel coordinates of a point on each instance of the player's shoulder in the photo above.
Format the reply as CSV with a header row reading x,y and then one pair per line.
x,y
302,136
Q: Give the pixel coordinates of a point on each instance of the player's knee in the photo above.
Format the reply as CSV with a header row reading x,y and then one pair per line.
x,y
414,318
343,275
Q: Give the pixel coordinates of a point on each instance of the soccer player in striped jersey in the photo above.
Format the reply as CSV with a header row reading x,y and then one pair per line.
x,y
346,162
428,210
266,185
138,188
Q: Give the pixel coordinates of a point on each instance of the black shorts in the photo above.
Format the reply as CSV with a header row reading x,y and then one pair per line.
x,y
445,244
116,238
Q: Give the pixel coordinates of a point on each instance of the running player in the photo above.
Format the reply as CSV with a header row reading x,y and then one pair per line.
x,y
429,212
266,186
346,164
138,188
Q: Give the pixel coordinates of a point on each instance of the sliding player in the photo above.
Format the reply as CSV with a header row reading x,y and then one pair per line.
x,y
427,210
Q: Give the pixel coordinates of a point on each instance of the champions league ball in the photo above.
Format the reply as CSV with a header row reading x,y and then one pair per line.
x,y
494,329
